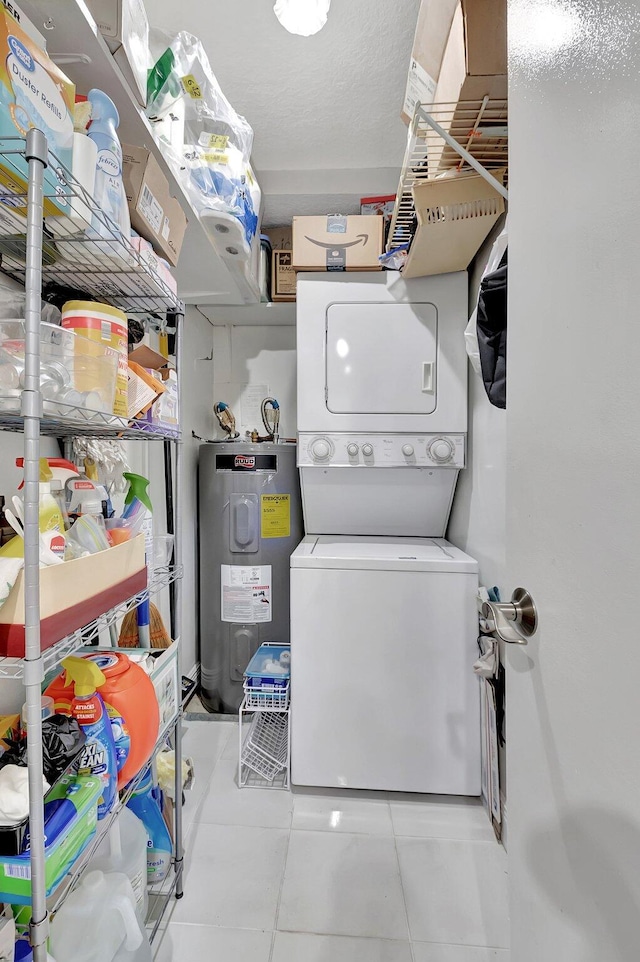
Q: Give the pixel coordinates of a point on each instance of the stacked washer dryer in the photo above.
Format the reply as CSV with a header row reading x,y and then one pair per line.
x,y
383,616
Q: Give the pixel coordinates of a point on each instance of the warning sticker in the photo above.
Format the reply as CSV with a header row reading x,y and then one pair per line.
x,y
275,515
421,88
246,593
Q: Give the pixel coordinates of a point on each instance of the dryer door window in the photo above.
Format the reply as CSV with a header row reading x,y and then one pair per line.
x,y
381,358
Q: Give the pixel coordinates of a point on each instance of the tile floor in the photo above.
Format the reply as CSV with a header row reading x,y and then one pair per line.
x,y
330,877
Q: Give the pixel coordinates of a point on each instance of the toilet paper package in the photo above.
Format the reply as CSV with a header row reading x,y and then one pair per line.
x,y
33,93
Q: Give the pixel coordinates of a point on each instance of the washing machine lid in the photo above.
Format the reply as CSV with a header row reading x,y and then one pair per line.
x,y
377,553
381,358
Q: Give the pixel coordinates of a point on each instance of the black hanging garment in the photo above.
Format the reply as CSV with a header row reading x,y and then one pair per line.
x,y
492,333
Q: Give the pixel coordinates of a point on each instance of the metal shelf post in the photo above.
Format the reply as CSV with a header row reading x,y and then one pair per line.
x,y
31,408
177,613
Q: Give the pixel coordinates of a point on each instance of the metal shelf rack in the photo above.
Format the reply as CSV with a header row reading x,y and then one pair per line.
x,y
96,260
445,137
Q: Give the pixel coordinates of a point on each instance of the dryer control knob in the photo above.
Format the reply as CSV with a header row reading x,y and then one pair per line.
x,y
321,449
352,450
367,450
441,450
407,450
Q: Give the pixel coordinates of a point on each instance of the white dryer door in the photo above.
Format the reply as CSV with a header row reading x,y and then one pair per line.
x,y
381,358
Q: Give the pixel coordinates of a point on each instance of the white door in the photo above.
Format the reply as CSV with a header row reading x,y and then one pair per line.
x,y
573,485
382,358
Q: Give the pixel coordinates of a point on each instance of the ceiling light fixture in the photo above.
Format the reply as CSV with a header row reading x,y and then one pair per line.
x,y
303,17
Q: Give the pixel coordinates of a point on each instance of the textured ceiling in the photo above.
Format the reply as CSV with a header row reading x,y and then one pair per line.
x,y
325,109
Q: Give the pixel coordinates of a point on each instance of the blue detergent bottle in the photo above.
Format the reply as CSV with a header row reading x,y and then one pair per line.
x,y
147,808
99,753
109,191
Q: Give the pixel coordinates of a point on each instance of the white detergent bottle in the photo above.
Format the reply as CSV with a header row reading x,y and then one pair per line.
x,y
109,191
97,921
124,850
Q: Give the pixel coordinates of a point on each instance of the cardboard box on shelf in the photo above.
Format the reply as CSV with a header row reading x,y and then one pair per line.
x,y
125,27
337,243
155,214
280,237
455,213
164,410
283,277
459,53
34,92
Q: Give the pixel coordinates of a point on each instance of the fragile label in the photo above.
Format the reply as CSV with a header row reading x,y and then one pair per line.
x,y
246,593
275,515
421,88
151,209
191,86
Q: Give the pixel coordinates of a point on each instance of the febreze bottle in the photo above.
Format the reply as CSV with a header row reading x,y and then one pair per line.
x,y
109,190
99,754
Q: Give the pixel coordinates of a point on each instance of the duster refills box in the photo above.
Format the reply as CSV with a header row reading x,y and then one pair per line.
x,y
33,93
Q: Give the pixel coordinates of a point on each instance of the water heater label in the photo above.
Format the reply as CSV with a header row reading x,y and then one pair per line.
x,y
246,593
275,515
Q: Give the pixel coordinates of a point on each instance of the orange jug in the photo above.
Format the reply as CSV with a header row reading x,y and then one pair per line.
x,y
131,704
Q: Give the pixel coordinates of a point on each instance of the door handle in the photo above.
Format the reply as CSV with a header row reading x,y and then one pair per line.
x,y
513,621
427,377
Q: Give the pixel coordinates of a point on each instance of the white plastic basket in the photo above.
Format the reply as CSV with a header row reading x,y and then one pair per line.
x,y
267,697
266,748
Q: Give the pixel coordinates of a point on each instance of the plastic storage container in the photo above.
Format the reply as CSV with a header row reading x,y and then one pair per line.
x,y
106,326
265,687
124,850
98,921
75,373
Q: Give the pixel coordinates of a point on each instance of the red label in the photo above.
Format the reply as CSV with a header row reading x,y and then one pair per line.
x,y
83,485
87,711
243,461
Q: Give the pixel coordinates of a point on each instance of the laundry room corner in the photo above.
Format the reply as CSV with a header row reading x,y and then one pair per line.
x,y
478,518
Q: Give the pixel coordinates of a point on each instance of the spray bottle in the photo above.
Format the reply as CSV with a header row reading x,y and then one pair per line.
x,y
99,754
139,511
109,190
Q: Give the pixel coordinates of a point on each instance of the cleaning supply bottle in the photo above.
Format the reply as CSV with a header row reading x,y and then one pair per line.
x,y
99,753
97,921
51,519
160,848
109,191
138,508
125,850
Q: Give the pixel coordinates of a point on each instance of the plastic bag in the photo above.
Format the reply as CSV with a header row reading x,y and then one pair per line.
x,y
471,331
62,739
213,161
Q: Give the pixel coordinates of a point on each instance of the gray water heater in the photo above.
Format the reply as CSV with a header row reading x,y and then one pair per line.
x,y
250,523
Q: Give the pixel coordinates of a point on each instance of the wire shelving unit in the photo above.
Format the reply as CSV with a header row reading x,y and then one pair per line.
x,y
82,253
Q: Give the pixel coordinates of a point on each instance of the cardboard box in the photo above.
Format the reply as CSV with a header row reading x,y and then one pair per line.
x,y
337,243
73,594
455,213
281,237
474,64
283,277
125,27
458,46
33,93
432,32
26,24
155,214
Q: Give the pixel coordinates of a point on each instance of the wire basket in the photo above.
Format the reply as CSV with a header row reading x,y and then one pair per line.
x,y
266,749
267,697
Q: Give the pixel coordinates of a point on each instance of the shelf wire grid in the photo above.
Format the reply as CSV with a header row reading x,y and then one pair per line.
x,y
72,420
53,656
84,251
479,127
266,748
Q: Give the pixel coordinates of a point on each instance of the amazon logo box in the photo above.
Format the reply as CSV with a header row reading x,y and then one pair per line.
x,y
337,243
